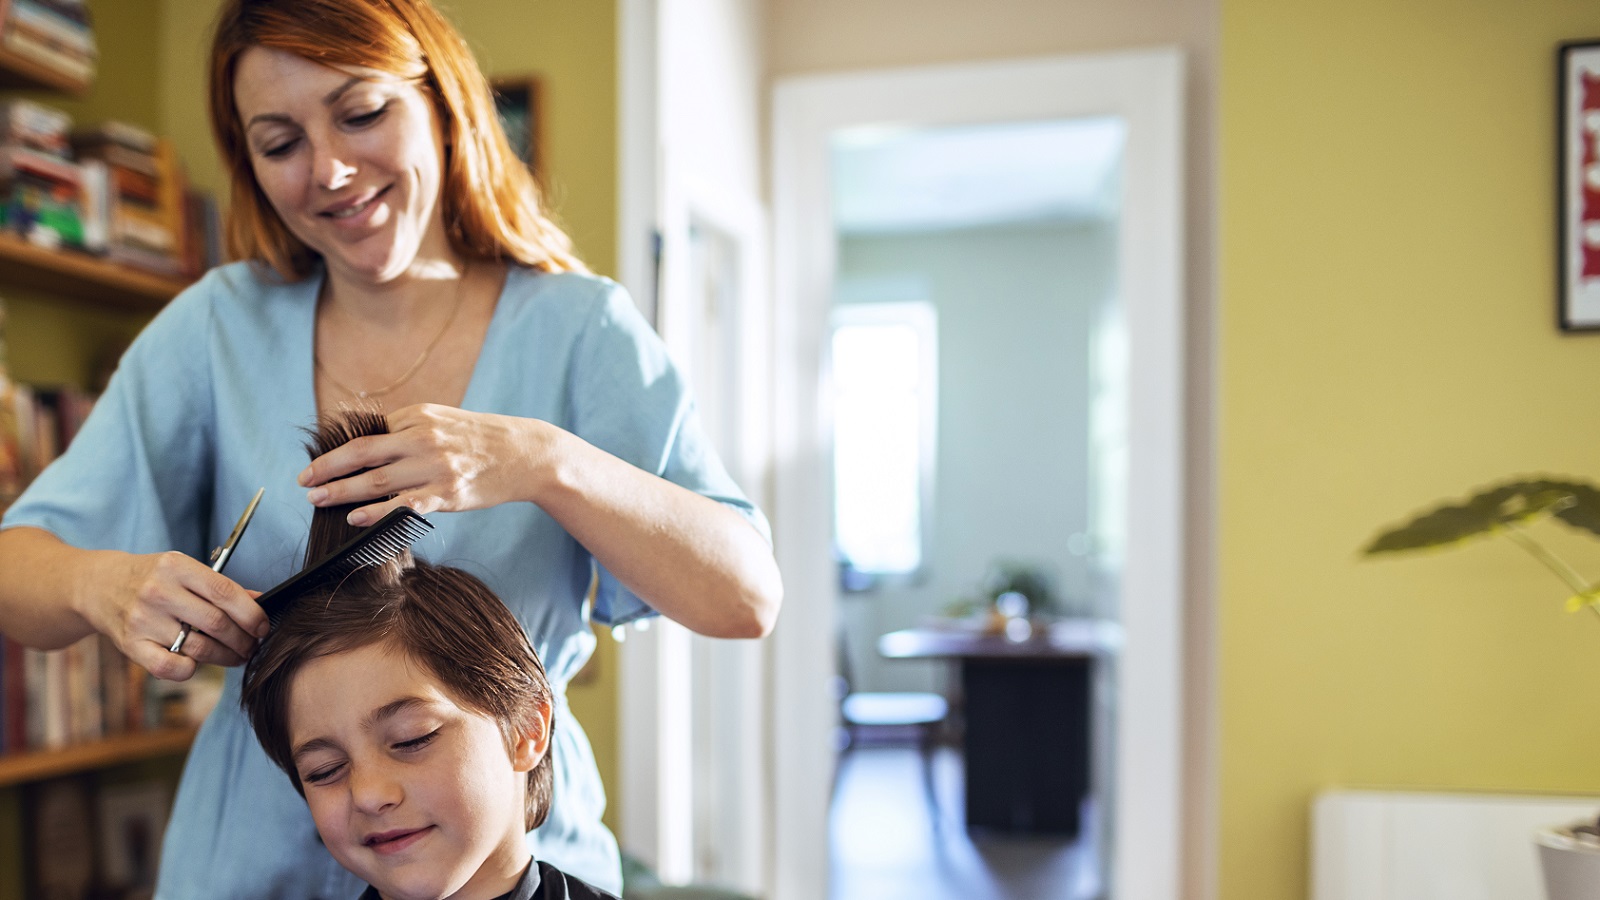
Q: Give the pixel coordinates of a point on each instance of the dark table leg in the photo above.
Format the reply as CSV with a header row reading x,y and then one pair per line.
x,y
1026,743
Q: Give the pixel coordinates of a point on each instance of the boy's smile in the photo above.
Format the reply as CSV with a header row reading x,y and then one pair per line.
x,y
411,791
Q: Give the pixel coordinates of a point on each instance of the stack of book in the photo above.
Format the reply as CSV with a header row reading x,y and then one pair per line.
x,y
136,187
87,692
42,192
56,34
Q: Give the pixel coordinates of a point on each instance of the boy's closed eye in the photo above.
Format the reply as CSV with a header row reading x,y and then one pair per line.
x,y
322,761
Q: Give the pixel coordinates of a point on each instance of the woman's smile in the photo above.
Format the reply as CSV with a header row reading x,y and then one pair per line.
x,y
352,161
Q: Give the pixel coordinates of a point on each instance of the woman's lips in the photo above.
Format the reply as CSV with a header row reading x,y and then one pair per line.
x,y
354,210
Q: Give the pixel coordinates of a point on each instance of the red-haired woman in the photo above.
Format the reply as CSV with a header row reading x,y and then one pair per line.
x,y
393,250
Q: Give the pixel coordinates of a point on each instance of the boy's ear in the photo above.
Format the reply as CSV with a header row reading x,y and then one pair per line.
x,y
531,746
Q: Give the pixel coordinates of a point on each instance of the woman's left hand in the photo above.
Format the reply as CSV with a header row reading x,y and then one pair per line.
x,y
434,458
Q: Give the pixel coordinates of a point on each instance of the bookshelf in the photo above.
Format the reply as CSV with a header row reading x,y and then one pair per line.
x,y
21,768
83,278
20,72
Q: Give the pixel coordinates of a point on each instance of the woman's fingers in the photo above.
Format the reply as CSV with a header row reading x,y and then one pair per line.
x,y
361,453
174,590
435,458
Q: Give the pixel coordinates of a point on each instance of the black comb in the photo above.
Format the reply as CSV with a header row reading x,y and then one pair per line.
x,y
372,546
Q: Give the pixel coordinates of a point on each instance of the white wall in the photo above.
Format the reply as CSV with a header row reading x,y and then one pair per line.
x,y
1015,306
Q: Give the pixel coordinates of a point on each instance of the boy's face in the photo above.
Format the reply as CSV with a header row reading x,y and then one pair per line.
x,y
411,791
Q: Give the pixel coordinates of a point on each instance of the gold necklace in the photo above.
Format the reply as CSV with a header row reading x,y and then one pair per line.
x,y
461,289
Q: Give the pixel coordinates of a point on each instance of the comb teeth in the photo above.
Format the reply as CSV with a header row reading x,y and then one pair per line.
x,y
373,546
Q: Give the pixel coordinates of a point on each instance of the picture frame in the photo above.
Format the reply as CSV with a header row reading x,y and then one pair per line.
x,y
1578,197
516,103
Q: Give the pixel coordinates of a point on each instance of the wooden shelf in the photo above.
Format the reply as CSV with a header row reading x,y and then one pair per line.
x,y
83,277
21,72
21,768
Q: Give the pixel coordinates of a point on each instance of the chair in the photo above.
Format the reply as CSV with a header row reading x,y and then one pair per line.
x,y
922,711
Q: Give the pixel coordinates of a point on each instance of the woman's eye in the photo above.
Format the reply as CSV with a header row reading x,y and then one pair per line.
x,y
418,743
365,119
276,150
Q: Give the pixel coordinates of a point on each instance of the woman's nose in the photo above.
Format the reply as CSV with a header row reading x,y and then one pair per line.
x,y
373,790
333,171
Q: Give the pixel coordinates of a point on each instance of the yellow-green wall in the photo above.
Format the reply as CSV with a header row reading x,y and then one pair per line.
x,y
1386,338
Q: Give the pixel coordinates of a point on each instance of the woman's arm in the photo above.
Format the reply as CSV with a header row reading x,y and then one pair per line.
x,y
688,556
54,594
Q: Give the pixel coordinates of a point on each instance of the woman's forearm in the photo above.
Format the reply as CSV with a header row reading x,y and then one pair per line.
x,y
691,558
38,588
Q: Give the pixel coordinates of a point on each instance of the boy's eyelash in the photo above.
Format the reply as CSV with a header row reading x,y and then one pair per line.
x,y
418,743
322,775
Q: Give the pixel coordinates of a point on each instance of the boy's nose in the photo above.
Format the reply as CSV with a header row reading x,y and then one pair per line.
x,y
373,791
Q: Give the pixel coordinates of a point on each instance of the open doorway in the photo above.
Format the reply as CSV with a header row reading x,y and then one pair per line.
x,y
1131,522
975,405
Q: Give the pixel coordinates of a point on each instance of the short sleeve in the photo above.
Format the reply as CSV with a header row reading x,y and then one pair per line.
x,y
631,401
137,475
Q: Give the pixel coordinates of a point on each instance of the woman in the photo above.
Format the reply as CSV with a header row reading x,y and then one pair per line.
x,y
397,253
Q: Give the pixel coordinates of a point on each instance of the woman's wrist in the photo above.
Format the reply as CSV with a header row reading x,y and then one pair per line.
x,y
86,587
547,454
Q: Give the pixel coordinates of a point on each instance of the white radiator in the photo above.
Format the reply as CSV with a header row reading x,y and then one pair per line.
x,y
1401,845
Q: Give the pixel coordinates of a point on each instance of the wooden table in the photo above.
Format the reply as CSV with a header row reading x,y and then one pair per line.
x,y
1028,707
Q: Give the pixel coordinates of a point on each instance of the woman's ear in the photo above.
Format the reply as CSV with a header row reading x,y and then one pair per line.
x,y
533,744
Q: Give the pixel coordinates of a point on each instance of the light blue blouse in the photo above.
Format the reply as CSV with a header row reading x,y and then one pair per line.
x,y
209,404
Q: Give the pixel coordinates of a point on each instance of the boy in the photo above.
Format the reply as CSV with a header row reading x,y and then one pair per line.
x,y
409,710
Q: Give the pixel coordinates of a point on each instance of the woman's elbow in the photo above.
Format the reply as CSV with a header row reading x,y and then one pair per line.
x,y
756,612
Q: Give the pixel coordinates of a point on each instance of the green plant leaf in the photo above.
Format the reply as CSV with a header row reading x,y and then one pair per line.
x,y
1576,503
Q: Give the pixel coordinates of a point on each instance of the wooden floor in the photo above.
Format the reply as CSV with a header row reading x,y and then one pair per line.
x,y
885,845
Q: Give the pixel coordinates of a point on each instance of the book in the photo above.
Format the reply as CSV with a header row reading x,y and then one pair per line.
x,y
29,44
35,126
61,852
118,133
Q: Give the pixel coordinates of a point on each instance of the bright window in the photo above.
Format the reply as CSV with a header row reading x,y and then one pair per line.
x,y
884,402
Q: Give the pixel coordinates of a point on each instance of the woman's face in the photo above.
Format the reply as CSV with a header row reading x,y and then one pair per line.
x,y
351,160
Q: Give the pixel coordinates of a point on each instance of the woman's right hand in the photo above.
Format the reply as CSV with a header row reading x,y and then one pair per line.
x,y
142,601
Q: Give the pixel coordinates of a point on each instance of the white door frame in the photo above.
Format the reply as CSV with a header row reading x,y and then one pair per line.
x,y
664,815
1145,89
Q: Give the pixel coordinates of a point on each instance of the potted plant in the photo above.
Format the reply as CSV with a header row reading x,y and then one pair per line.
x,y
1569,856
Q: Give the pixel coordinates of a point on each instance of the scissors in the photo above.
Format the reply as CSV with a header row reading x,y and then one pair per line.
x,y
219,558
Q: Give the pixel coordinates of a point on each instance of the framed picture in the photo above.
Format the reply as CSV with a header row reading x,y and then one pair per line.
x,y
516,100
1578,246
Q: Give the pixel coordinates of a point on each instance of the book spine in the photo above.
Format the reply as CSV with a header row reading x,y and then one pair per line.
x,y
26,44
113,687
15,681
33,679
74,36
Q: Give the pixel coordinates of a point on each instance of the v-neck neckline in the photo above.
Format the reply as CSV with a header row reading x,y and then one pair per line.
x,y
307,364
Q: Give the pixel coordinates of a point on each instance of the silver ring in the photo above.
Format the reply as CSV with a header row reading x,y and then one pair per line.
x,y
183,635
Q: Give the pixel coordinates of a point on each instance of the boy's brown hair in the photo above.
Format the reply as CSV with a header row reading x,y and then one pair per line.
x,y
441,617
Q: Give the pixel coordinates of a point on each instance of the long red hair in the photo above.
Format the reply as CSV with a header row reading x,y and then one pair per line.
x,y
490,202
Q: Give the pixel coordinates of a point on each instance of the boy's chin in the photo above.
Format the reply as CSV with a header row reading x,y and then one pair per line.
x,y
409,881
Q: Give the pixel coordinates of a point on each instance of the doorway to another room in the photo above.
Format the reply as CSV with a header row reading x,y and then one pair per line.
x,y
972,357
980,326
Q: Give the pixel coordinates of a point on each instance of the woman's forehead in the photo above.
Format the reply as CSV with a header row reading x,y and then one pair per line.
x,y
267,77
